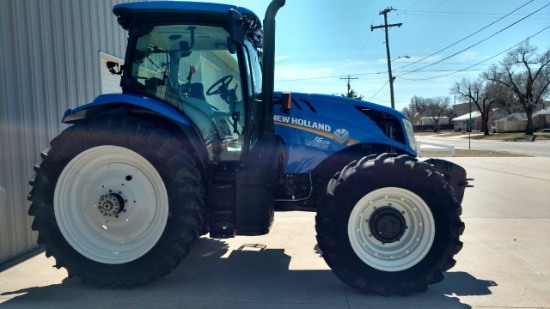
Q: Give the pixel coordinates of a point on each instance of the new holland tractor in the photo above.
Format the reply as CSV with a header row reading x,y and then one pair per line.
x,y
199,143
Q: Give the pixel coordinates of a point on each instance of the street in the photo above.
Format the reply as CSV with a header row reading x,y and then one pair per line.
x,y
537,148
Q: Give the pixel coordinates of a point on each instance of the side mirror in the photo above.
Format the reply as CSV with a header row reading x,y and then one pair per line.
x,y
236,26
286,101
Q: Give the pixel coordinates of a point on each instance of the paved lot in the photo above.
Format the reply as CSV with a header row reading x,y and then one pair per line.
x,y
505,262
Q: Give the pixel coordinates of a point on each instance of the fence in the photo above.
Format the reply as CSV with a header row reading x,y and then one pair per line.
x,y
431,147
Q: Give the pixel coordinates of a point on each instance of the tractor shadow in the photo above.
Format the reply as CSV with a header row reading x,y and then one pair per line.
x,y
249,276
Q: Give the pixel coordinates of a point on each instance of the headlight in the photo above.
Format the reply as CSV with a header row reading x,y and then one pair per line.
x,y
410,133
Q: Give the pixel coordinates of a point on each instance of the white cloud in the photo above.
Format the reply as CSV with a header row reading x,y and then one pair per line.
x,y
281,58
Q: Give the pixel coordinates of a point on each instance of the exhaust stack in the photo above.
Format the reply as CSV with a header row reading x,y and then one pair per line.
x,y
268,62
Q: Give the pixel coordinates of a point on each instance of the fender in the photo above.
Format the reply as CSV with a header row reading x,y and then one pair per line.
x,y
454,174
103,104
115,103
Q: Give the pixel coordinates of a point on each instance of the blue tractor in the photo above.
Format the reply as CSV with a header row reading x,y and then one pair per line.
x,y
199,143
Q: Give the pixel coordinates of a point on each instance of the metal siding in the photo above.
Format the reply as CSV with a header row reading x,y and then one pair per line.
x,y
49,63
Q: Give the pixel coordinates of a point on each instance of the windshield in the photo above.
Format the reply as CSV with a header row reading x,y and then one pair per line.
x,y
195,69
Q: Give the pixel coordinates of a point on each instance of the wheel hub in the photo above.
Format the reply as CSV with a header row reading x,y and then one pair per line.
x,y
111,205
387,224
391,229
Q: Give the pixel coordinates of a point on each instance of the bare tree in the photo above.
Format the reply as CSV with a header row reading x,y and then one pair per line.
x,y
433,108
476,93
416,108
418,104
436,108
502,97
527,74
407,111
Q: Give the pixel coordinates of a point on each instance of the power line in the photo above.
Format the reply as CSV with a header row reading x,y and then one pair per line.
x,y
313,78
418,79
357,74
468,36
454,13
378,91
473,65
430,10
366,43
475,44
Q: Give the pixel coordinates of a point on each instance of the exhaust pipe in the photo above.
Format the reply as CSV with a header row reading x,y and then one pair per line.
x,y
268,62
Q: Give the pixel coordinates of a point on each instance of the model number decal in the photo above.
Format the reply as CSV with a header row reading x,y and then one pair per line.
x,y
302,123
321,140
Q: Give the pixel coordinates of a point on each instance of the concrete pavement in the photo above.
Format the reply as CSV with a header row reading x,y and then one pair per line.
x,y
505,262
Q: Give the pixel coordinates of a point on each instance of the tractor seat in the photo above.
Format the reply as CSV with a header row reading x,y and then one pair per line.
x,y
197,91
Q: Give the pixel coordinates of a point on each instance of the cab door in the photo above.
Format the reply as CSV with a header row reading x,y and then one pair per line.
x,y
255,181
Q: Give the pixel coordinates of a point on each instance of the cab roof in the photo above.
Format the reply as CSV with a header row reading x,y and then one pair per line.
x,y
168,11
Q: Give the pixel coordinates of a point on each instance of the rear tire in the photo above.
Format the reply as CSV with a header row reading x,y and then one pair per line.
x,y
389,225
117,202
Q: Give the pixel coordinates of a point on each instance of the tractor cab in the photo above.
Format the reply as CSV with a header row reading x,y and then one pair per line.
x,y
209,71
205,61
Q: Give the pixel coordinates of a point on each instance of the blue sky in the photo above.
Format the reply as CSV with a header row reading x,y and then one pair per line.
x,y
321,41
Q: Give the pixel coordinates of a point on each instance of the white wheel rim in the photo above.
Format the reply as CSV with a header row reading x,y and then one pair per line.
x,y
117,174
414,243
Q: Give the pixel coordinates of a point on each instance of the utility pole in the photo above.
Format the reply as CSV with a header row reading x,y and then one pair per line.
x,y
470,125
349,87
386,26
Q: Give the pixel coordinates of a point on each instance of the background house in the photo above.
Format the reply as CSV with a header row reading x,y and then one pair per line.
x,y
541,119
516,122
425,121
460,109
462,123
53,56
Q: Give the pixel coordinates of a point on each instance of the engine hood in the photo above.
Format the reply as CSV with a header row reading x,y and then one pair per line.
x,y
319,125
331,102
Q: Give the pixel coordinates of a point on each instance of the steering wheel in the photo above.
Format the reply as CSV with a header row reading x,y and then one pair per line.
x,y
223,84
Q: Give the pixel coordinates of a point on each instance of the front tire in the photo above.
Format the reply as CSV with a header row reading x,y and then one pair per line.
x,y
117,202
389,225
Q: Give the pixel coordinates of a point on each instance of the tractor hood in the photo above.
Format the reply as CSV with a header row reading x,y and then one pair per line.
x,y
321,125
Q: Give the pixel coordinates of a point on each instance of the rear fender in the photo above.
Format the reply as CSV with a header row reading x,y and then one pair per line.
x,y
123,104
454,174
105,103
